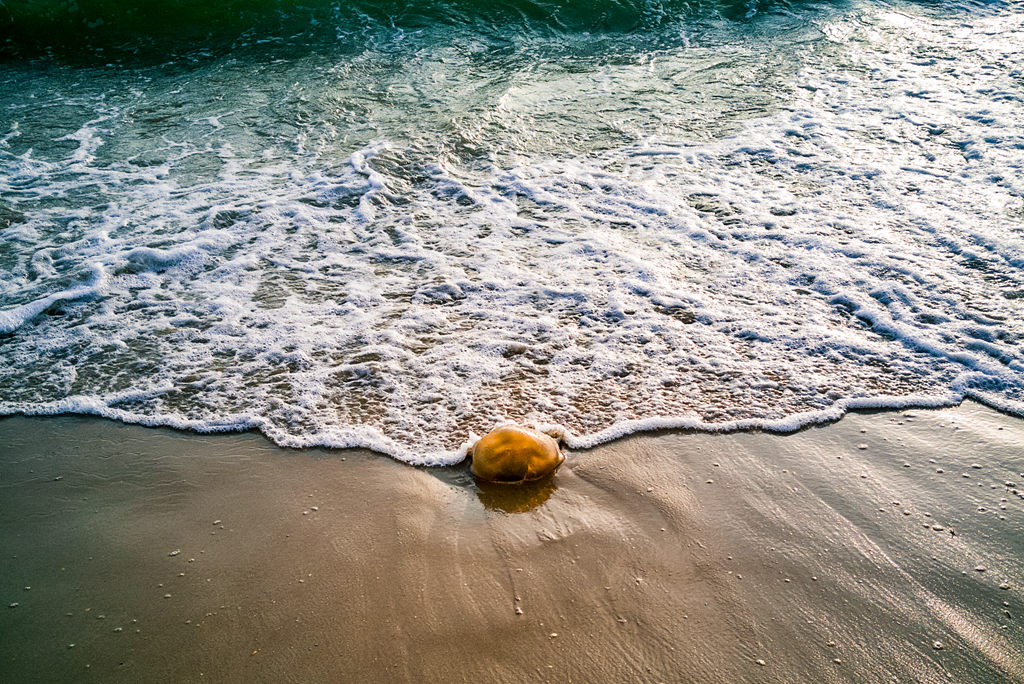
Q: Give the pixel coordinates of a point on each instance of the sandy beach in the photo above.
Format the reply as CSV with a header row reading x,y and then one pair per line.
x,y
885,547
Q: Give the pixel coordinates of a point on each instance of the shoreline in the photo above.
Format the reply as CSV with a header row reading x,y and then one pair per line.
x,y
665,556
369,438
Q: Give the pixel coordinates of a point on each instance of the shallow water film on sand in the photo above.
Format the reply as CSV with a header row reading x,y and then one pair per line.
x,y
395,225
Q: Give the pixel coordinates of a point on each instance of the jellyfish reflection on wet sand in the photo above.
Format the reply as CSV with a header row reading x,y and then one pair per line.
x,y
519,498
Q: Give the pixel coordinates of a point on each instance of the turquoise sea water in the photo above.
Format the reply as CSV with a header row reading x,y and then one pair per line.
x,y
396,224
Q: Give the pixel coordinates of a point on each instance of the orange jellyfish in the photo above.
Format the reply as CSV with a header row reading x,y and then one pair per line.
x,y
513,454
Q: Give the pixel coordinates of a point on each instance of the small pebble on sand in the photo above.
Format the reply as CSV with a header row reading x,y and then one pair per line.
x,y
216,522
937,645
862,446
760,662
976,466
13,605
979,568
175,552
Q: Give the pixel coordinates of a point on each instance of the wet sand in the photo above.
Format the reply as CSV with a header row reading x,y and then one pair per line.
x,y
869,550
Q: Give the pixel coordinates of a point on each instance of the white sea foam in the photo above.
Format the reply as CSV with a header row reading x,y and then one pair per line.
x,y
858,247
13,318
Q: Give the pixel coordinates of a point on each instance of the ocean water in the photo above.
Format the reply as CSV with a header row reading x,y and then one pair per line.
x,y
395,225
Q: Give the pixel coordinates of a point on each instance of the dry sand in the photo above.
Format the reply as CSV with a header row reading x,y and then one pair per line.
x,y
870,550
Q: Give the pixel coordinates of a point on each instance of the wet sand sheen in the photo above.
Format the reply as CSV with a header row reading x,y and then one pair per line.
x,y
866,550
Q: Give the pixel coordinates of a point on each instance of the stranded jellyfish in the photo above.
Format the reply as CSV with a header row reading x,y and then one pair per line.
x,y
514,454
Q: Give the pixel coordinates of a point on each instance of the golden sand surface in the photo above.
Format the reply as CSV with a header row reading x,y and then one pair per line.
x,y
885,547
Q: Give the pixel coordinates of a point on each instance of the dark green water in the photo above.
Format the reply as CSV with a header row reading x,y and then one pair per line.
x,y
125,25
